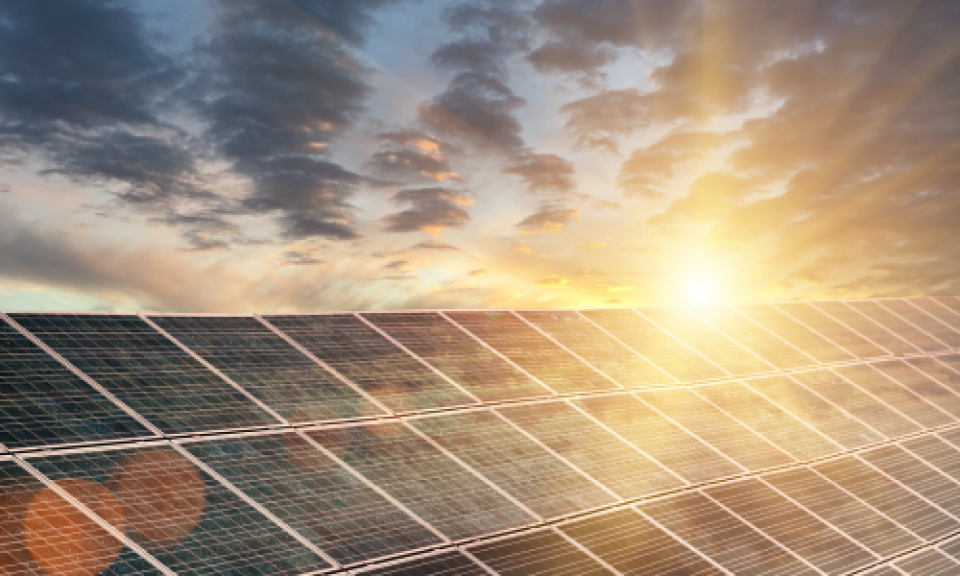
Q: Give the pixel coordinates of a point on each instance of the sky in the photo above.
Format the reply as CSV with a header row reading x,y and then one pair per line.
x,y
311,155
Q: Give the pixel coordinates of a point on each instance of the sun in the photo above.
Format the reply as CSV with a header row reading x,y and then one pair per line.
x,y
700,288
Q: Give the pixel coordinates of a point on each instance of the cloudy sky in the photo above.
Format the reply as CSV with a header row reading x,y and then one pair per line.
x,y
296,155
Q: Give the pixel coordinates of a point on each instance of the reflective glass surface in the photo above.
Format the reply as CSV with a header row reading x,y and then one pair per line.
x,y
928,563
896,324
443,564
909,401
932,325
876,333
910,377
916,475
541,553
753,336
832,329
794,332
936,307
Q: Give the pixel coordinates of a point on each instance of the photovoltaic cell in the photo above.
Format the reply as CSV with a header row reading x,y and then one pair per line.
x,y
937,453
41,534
876,333
930,562
753,336
939,370
783,325
897,325
790,525
424,479
936,307
951,302
905,374
913,473
868,409
371,361
538,553
547,485
768,420
832,329
146,371
706,340
952,436
185,518
681,452
908,401
865,525
451,563
295,481
634,546
532,351
595,346
655,345
463,359
951,548
706,526
925,322
888,497
592,448
815,411
716,428
268,367
42,403
884,571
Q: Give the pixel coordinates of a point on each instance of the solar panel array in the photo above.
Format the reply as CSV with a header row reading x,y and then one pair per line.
x,y
794,438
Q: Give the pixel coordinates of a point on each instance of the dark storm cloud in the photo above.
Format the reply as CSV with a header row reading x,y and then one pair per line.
x,y
546,174
548,220
430,210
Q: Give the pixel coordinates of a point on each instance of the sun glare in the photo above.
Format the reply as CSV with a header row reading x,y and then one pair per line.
x,y
700,289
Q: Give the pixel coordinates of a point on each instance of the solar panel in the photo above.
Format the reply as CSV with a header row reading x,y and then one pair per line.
x,y
371,361
754,337
951,548
634,546
597,347
146,371
310,492
424,479
934,308
876,333
275,372
706,526
184,517
897,325
937,453
42,403
907,375
767,419
913,473
952,436
850,515
868,409
884,571
681,452
909,401
541,481
888,497
930,325
938,370
832,329
707,340
446,563
793,527
827,418
532,351
716,428
928,562
593,448
655,345
951,302
456,354
794,332
542,552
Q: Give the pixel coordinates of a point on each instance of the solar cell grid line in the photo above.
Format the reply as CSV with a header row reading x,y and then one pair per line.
x,y
939,369
785,430
936,452
837,507
592,448
43,403
951,302
912,403
752,336
952,436
867,328
524,469
912,472
786,522
633,545
439,563
795,332
383,410
931,326
952,548
897,325
312,493
705,525
148,372
833,329
185,517
729,436
660,438
537,553
818,412
459,355
707,340
889,497
947,321
908,375
855,401
451,498
884,571
42,531
929,562
656,345
598,347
